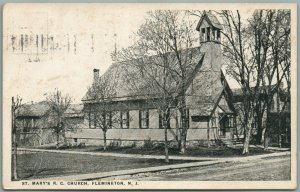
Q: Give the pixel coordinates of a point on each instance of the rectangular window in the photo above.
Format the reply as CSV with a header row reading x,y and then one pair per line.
x,y
214,37
144,119
34,123
108,119
208,34
218,35
161,121
27,126
95,120
187,119
124,115
90,120
202,36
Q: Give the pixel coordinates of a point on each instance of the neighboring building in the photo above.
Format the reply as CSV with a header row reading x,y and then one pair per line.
x,y
35,123
74,117
280,126
211,114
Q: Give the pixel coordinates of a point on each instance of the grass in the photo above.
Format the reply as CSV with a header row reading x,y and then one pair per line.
x,y
199,151
47,164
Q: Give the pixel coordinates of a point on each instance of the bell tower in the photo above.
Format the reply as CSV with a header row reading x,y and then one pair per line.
x,y
209,28
208,80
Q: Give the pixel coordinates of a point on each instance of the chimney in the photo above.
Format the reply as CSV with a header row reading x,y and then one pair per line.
x,y
96,75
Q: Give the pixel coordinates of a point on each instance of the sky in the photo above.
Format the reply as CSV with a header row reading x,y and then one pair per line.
x,y
72,41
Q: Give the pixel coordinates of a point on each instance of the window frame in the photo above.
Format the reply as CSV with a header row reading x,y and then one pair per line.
x,y
144,119
208,37
160,121
108,119
218,35
126,119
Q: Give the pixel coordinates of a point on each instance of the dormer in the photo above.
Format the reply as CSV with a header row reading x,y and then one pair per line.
x,y
209,28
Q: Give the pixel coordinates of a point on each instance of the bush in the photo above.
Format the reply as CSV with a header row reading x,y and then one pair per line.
x,y
133,145
115,143
148,144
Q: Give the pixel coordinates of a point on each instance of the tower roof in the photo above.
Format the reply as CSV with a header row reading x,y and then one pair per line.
x,y
211,19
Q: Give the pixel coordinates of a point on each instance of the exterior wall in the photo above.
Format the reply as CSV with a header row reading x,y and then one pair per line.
x,y
39,131
36,138
92,135
207,82
196,132
32,131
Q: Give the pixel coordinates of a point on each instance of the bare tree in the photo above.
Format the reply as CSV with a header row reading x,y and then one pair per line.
x,y
165,43
244,69
251,50
276,41
16,104
59,103
103,91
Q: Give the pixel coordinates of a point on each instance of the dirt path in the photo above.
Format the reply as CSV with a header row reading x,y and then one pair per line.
x,y
264,169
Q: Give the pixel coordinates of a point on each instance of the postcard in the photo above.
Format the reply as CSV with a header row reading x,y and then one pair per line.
x,y
149,96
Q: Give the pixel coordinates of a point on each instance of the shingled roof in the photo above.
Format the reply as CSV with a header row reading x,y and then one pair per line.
x,y
40,109
211,19
75,110
129,81
33,110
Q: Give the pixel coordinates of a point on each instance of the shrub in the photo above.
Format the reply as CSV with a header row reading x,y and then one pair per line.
x,y
148,144
115,143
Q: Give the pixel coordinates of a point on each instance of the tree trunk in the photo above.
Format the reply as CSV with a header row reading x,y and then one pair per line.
x,y
183,131
178,133
183,146
262,141
57,139
267,130
248,131
260,129
15,173
14,141
267,139
104,140
166,139
208,139
64,134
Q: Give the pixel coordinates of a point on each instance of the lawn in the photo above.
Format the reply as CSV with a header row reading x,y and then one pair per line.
x,y
47,164
199,151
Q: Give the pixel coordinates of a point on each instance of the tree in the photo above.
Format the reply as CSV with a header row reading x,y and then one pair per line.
x,y
16,104
251,50
242,67
59,103
277,43
103,92
165,44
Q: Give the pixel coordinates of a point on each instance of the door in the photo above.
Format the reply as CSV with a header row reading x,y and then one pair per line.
x,y
222,125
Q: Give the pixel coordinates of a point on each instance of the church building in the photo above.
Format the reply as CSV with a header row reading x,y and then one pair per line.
x,y
210,109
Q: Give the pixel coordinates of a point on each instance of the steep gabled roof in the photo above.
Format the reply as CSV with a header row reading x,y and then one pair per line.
x,y
42,108
211,19
75,110
129,81
33,110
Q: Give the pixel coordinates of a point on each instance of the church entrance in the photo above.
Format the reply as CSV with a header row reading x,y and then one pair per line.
x,y
226,125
